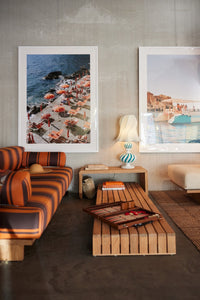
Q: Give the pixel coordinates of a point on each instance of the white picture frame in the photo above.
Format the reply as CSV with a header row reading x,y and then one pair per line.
x,y
70,73
169,99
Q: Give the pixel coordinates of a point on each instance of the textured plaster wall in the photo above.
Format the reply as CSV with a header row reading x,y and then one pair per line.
x,y
118,28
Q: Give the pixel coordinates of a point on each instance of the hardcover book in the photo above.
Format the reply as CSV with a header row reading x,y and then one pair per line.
x,y
113,185
96,167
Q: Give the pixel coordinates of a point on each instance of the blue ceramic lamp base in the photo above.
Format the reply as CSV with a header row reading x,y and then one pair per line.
x,y
127,157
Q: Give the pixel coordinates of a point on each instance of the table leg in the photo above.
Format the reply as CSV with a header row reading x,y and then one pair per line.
x,y
144,181
80,185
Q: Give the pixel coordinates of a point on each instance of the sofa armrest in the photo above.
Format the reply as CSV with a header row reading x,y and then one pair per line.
x,y
43,158
16,189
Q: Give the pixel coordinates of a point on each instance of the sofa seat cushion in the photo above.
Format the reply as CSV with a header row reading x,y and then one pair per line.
x,y
30,221
186,176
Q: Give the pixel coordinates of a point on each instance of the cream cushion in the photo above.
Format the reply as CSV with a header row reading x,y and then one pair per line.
x,y
186,176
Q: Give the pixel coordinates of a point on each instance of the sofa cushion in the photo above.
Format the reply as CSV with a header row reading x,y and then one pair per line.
x,y
11,157
44,159
16,190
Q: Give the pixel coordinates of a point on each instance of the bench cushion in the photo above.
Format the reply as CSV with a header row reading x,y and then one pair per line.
x,y
186,176
31,220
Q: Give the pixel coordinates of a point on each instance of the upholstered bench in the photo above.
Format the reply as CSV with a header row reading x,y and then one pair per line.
x,y
186,176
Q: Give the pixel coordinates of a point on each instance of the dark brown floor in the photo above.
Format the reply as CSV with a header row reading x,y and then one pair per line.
x,y
60,266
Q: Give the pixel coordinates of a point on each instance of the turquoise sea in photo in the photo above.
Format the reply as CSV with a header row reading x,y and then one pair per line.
x,y
163,132
39,66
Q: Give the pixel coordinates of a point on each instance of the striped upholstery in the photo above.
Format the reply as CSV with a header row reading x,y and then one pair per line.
x,y
3,175
16,189
44,159
31,220
11,157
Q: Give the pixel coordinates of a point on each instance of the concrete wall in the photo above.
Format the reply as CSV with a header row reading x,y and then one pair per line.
x,y
118,28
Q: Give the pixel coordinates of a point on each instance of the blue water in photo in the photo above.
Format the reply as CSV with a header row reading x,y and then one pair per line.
x,y
39,66
163,132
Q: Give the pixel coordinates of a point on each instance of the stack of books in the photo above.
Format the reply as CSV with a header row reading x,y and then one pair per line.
x,y
96,167
113,185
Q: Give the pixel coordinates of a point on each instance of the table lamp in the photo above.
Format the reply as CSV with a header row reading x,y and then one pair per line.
x,y
127,135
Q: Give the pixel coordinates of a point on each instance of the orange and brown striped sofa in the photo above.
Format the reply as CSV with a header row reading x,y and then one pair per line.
x,y
28,201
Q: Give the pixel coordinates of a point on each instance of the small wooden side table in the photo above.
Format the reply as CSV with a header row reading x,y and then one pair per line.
x,y
143,176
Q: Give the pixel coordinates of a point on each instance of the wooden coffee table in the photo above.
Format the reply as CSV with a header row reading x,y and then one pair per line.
x,y
156,238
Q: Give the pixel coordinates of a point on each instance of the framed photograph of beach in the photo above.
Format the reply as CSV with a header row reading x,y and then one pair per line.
x,y
58,98
169,99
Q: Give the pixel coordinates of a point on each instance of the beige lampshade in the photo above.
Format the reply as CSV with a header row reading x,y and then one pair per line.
x,y
128,129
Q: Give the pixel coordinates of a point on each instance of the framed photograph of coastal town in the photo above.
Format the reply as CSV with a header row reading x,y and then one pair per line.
x,y
169,99
58,98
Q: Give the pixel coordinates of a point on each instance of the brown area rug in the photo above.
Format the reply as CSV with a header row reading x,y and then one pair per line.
x,y
183,210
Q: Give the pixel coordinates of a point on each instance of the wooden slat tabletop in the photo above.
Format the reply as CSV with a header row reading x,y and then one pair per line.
x,y
156,238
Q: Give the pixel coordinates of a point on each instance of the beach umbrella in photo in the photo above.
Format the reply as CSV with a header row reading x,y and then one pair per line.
x,y
87,84
80,103
55,134
71,122
64,86
86,125
49,96
39,125
59,108
73,112
60,92
34,126
46,116
67,122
